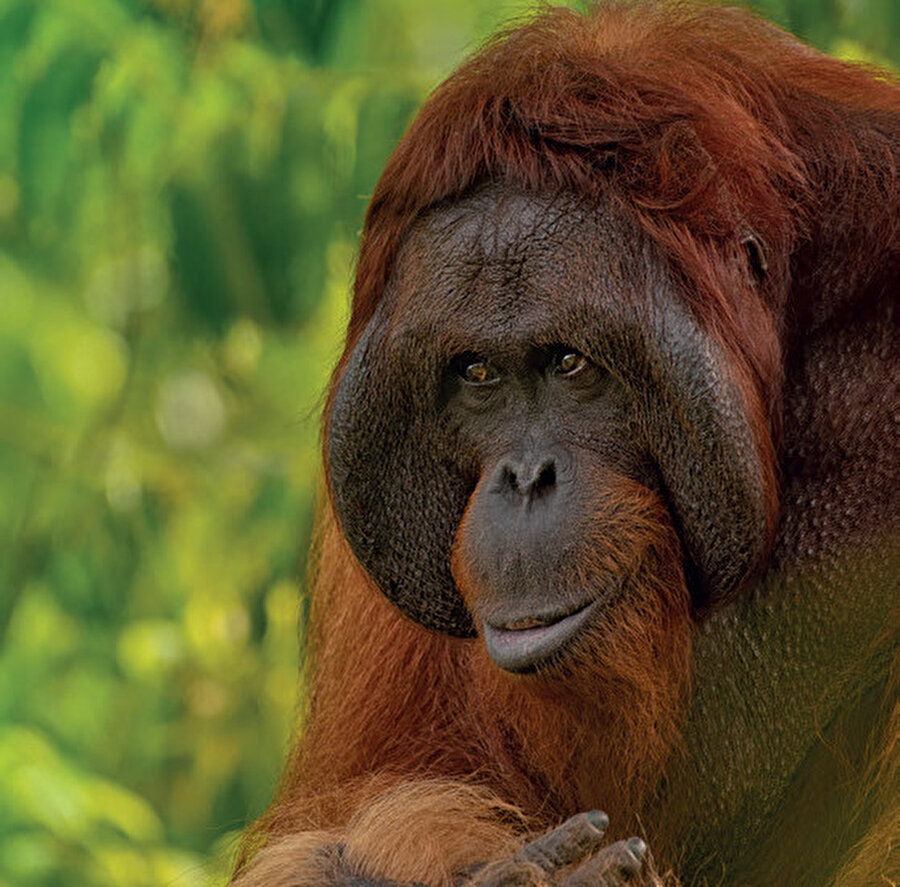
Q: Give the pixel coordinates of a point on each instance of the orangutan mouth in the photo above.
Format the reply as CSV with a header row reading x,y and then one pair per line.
x,y
522,645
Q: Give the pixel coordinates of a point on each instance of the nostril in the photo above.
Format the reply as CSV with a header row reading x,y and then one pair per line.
x,y
546,478
510,480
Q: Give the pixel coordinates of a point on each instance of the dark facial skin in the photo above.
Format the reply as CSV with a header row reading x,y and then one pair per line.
x,y
534,416
538,433
530,359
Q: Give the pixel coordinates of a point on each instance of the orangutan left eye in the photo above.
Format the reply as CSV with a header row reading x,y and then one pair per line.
x,y
570,362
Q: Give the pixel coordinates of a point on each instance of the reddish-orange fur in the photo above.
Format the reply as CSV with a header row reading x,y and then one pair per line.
x,y
415,751
402,709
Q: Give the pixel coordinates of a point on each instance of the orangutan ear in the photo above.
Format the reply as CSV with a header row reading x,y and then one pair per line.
x,y
757,254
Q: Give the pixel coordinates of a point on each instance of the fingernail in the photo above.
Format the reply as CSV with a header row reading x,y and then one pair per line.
x,y
637,847
599,820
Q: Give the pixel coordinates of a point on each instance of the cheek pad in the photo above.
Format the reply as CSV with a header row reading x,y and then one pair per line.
x,y
696,429
397,494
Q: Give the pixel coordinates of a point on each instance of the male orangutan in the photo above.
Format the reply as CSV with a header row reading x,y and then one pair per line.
x,y
611,458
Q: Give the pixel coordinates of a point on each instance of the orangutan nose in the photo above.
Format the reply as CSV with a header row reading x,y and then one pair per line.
x,y
529,479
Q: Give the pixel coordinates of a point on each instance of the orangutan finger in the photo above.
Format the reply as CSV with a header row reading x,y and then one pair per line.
x,y
577,838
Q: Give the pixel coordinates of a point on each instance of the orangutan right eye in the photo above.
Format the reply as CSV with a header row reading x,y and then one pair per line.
x,y
476,371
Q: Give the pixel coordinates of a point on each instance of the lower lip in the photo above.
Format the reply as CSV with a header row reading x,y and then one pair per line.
x,y
525,649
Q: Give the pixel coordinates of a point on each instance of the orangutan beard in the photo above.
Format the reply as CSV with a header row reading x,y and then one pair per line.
x,y
593,727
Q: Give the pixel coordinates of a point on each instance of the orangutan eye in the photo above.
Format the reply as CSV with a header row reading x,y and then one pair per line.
x,y
477,372
570,362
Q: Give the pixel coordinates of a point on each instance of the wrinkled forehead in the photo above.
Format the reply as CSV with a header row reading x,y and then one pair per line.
x,y
507,264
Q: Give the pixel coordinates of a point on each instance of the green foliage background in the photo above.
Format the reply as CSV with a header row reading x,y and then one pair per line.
x,y
181,187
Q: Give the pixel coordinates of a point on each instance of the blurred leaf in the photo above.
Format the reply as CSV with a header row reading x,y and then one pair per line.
x,y
40,787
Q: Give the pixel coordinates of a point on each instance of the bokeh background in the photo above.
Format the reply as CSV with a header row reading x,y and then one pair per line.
x,y
181,187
